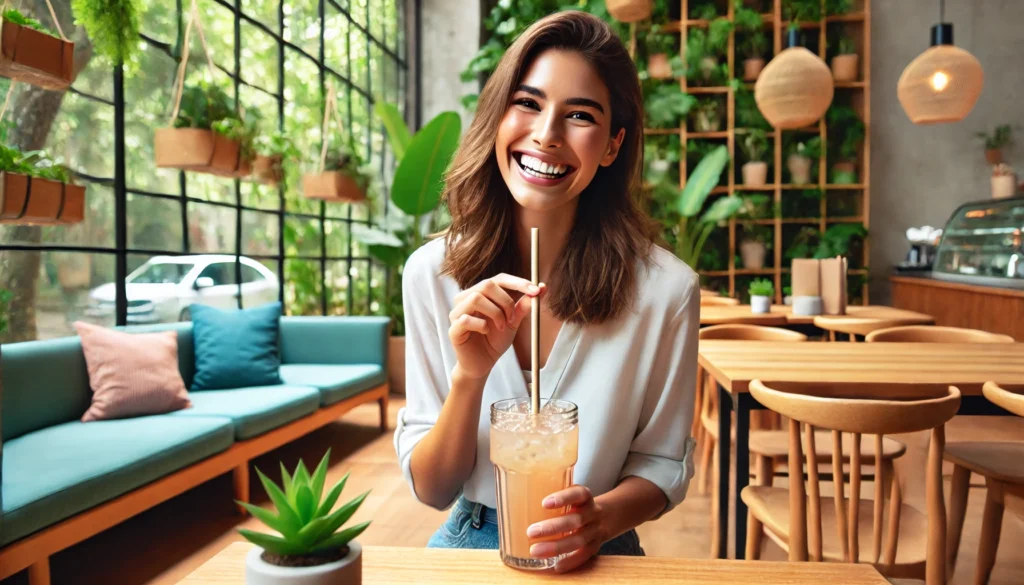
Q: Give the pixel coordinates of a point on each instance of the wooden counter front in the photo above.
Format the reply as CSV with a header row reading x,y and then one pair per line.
x,y
955,304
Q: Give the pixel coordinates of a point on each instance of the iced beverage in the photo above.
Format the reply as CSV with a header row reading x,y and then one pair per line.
x,y
533,457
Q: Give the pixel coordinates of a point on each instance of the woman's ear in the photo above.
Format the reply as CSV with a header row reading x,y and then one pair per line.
x,y
614,144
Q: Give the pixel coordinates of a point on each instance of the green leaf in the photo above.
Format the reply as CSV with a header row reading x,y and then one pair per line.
x,y
286,481
272,520
301,475
342,514
319,477
332,497
722,209
342,538
394,124
271,543
702,180
284,507
419,179
304,503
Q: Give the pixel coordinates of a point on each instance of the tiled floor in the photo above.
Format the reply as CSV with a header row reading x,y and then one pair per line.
x,y
164,544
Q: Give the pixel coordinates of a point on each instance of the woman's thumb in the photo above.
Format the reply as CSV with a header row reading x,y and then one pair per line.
x,y
523,307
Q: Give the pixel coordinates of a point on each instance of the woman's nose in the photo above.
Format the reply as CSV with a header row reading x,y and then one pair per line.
x,y
547,132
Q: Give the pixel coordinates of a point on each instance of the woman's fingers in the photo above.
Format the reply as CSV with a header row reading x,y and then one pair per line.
x,y
498,296
577,495
509,282
463,326
523,307
572,542
476,303
577,558
556,526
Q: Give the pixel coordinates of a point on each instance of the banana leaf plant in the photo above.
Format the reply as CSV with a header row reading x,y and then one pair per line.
x,y
694,227
414,209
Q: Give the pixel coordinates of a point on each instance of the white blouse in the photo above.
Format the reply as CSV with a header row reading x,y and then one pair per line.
x,y
633,379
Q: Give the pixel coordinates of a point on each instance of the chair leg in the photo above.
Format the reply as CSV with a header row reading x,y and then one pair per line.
x,y
764,470
755,537
240,478
703,484
715,528
39,572
959,488
991,524
383,401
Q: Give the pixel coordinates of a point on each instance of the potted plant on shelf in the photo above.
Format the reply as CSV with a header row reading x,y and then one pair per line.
x,y
707,116
1004,181
841,239
34,189
756,238
846,132
271,152
660,65
747,113
755,43
835,7
414,212
33,54
311,549
1000,138
802,156
703,48
761,292
754,144
694,228
666,105
797,11
207,135
845,63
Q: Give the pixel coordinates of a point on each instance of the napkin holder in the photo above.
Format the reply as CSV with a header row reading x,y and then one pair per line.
x,y
825,278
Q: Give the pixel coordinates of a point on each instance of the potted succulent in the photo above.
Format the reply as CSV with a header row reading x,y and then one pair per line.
x,y
33,54
659,64
666,105
1004,181
801,158
1000,138
845,63
707,116
271,151
761,292
846,132
34,189
311,548
754,144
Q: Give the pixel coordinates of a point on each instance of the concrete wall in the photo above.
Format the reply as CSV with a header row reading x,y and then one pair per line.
x,y
449,38
920,174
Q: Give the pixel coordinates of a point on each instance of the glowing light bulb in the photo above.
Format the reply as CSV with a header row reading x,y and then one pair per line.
x,y
939,81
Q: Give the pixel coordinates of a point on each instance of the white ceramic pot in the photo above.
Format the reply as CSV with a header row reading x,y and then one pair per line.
x,y
396,364
755,174
346,571
759,304
799,169
1004,186
806,305
753,252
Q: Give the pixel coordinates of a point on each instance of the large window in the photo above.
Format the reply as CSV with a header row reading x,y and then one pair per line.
x,y
155,240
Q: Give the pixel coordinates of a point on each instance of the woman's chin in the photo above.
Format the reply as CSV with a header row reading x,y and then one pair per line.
x,y
541,199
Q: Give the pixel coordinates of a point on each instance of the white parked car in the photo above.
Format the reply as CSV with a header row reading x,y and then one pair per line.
x,y
161,290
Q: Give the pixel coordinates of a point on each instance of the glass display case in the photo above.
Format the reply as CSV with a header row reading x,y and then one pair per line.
x,y
983,243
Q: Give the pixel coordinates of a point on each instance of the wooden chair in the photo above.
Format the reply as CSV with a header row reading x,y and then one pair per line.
x,y
999,463
768,446
718,301
932,334
808,527
1001,493
852,326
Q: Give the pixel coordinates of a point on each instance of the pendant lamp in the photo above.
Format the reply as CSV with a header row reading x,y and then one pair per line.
x,y
630,10
943,83
795,88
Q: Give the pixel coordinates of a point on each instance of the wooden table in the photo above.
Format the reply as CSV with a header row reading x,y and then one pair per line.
x,y
394,566
783,315
741,314
882,370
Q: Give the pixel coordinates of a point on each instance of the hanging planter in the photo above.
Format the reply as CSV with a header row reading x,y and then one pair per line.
x,y
30,54
271,153
199,150
267,169
630,10
37,201
340,178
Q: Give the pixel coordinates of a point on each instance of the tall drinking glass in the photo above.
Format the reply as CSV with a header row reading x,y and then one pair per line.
x,y
533,457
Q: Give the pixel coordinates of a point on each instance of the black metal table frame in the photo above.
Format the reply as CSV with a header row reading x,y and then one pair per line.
x,y
743,403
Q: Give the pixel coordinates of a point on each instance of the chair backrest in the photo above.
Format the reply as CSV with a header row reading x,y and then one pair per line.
x,y
750,333
709,293
930,334
861,416
1011,401
718,301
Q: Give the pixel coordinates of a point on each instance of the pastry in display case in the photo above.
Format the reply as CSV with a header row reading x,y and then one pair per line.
x,y
983,243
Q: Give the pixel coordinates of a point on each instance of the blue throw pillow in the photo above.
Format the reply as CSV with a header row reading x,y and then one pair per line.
x,y
236,349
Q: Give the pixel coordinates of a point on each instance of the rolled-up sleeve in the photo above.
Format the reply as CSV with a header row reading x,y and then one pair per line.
x,y
426,383
662,450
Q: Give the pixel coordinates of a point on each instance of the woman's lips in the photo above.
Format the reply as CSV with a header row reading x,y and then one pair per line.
x,y
540,181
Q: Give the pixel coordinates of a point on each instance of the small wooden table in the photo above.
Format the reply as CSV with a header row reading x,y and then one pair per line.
x,y
883,370
783,315
394,566
741,314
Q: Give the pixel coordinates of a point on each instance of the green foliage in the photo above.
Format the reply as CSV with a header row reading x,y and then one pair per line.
x,y
811,148
801,10
204,104
1001,137
5,303
837,238
704,47
754,144
801,204
14,15
345,158
761,287
398,133
34,163
846,131
667,105
833,7
804,244
113,27
659,42
704,9
661,153
242,131
304,519
847,46
754,45
746,19
747,113
419,178
277,144
693,231
707,115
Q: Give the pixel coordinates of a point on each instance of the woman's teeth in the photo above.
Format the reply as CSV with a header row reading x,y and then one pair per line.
x,y
542,169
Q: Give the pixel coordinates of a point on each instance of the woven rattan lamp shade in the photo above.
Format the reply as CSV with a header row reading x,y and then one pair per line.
x,y
629,10
941,85
794,89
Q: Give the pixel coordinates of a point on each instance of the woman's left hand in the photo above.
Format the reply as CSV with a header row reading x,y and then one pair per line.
x,y
582,529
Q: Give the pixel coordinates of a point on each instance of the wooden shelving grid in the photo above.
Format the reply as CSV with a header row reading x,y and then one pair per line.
x,y
857,25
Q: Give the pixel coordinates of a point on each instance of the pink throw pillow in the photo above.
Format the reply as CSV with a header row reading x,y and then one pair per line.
x,y
131,374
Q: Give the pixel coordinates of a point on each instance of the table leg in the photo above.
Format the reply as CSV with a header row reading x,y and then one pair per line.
x,y
724,450
743,406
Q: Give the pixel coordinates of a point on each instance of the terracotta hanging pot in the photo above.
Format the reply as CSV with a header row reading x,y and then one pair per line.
x,y
799,169
845,67
31,200
752,68
334,186
755,174
658,66
267,169
200,151
630,10
993,156
35,57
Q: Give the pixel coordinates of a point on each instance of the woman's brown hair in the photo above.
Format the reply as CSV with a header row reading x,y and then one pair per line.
x,y
596,276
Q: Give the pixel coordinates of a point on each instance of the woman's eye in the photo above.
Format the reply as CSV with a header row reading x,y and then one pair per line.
x,y
582,116
527,102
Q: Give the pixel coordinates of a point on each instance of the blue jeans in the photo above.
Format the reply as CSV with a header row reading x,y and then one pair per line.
x,y
473,525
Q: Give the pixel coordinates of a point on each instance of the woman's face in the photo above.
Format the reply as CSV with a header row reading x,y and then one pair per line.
x,y
556,131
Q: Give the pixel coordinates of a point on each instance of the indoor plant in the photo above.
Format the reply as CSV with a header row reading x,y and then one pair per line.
x,y
761,292
747,113
754,144
660,45
755,43
756,237
1004,181
846,132
310,549
271,151
35,189
802,156
1000,138
113,28
33,54
343,176
797,11
666,105
208,134
707,115
695,228
703,48
839,239
414,212
845,62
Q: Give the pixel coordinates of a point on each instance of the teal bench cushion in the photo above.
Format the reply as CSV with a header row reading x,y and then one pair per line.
x,y
56,472
254,410
335,383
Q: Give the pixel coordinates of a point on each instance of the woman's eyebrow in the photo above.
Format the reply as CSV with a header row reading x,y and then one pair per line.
x,y
575,101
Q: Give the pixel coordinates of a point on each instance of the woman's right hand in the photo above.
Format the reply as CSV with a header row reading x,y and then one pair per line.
x,y
485,320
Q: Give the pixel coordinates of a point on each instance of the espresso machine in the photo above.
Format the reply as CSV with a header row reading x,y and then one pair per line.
x,y
921,253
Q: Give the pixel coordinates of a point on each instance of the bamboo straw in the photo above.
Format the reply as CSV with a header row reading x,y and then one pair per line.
x,y
534,324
